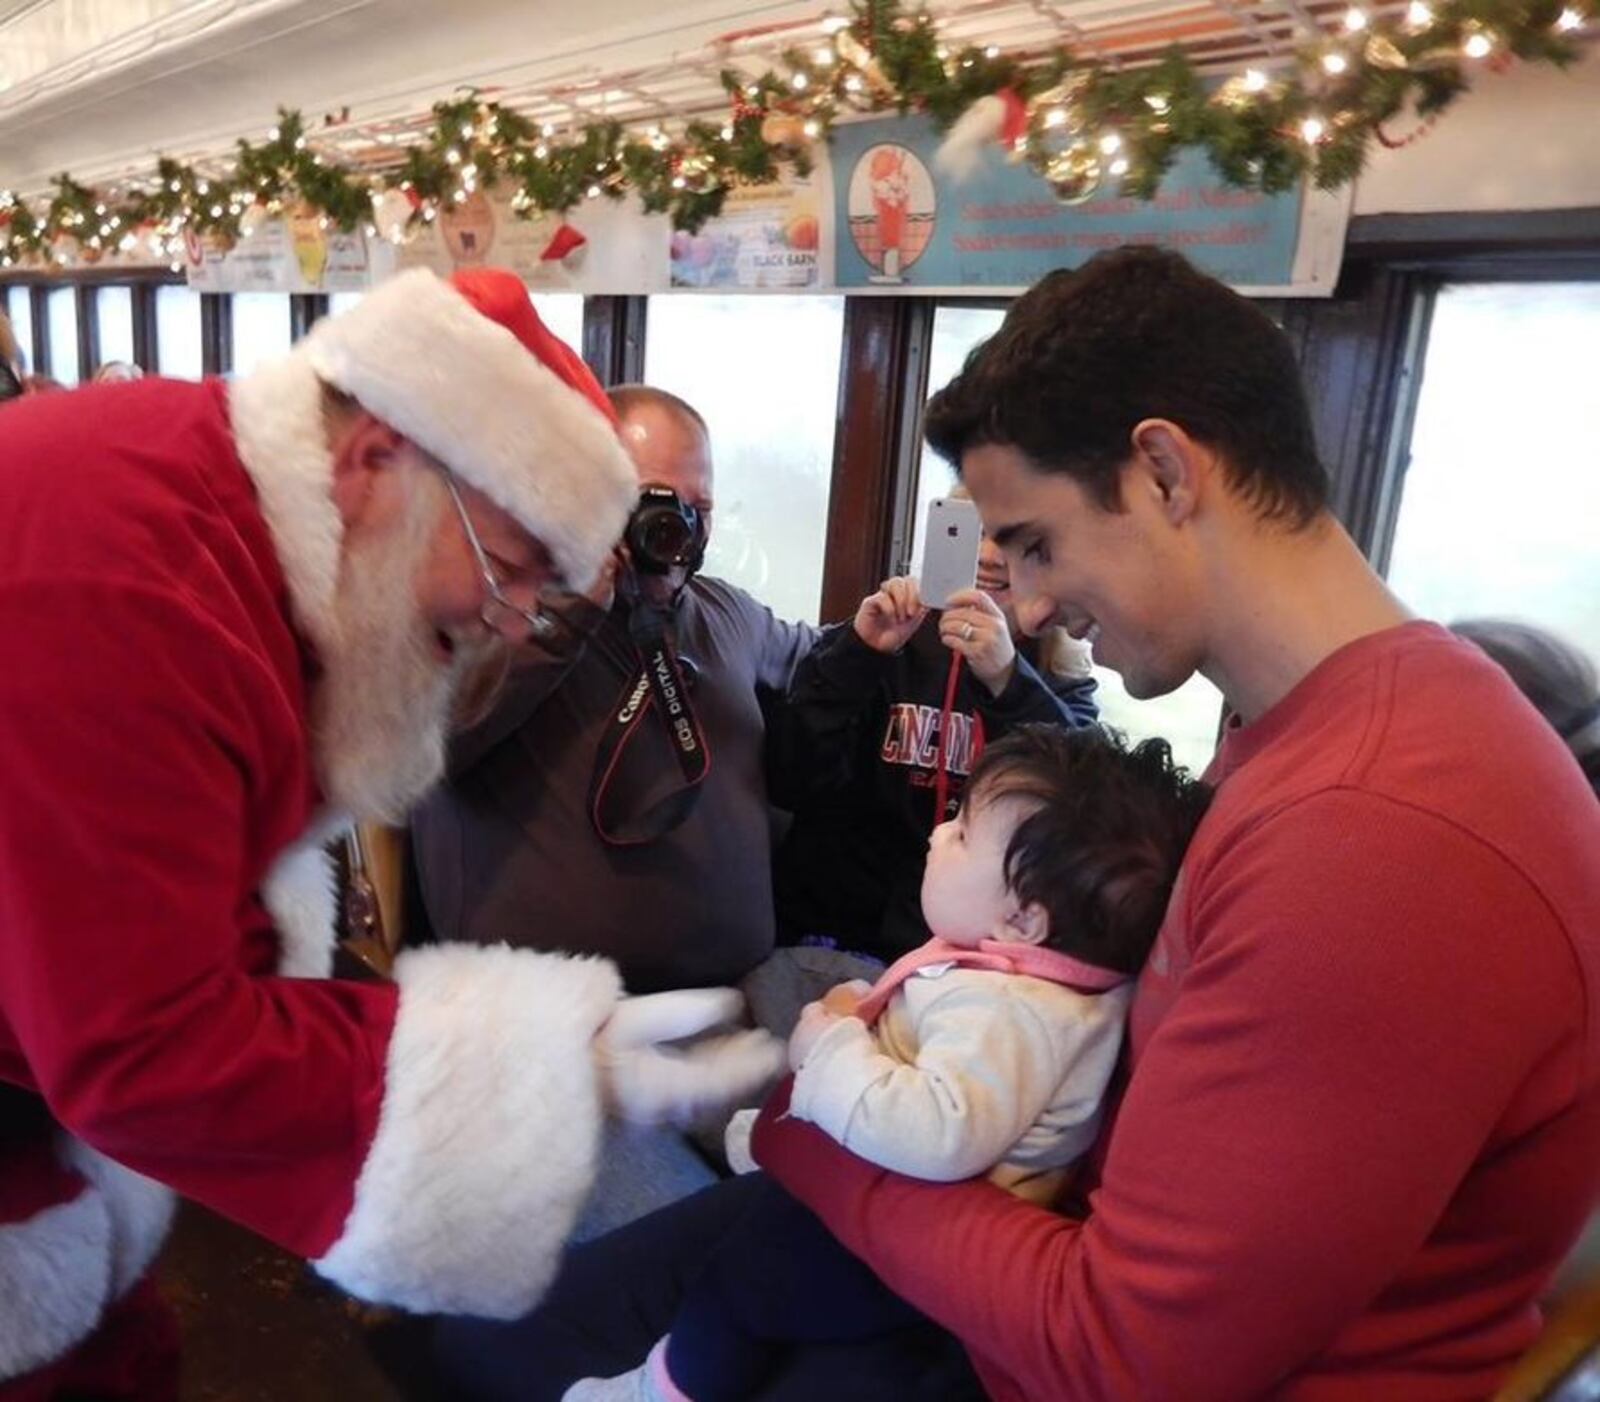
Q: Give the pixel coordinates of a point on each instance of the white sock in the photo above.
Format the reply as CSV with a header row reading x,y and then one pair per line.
x,y
736,1141
636,1385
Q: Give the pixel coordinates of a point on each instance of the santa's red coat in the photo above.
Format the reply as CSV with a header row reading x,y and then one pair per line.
x,y
165,905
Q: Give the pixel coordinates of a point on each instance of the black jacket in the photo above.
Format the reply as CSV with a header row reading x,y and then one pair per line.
x,y
855,760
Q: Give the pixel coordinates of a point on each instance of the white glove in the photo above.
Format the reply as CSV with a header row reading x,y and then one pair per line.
x,y
647,1083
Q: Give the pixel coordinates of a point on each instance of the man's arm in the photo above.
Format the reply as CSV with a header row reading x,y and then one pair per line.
x,y
309,1110
1353,1024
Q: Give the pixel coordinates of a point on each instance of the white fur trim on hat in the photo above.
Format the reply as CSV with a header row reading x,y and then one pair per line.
x,y
418,355
488,1136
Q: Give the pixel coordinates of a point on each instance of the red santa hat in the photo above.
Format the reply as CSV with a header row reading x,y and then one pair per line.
x,y
468,372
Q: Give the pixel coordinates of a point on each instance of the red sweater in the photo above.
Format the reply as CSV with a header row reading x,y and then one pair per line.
x,y
1362,1122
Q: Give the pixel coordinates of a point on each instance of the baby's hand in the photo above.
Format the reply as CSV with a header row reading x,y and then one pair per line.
x,y
844,998
815,1019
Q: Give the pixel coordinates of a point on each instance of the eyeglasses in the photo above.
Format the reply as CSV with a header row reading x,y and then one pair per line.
x,y
494,612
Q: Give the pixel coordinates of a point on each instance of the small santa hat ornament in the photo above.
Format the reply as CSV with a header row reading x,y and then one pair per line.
x,y
467,371
1001,117
566,246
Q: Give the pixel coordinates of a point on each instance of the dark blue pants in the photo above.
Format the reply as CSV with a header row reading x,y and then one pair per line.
x,y
617,1295
782,1279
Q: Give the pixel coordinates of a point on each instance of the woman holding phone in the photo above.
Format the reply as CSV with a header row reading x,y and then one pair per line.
x,y
885,718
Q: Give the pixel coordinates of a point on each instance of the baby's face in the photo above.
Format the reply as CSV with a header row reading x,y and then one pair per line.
x,y
964,895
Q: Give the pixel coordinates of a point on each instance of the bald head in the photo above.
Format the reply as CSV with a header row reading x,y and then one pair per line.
x,y
668,442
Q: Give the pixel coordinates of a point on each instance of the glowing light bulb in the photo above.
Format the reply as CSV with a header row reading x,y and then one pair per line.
x,y
1255,80
1334,63
1477,46
1313,129
1355,20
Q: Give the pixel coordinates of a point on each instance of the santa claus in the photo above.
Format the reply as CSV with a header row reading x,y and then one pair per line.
x,y
235,616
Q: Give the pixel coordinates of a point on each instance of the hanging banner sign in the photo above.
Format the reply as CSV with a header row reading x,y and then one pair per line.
x,y
902,226
293,254
602,246
767,236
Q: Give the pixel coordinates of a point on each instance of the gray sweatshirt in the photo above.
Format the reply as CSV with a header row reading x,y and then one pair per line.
x,y
505,849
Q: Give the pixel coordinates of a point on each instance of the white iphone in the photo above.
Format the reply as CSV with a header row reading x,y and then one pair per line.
x,y
949,550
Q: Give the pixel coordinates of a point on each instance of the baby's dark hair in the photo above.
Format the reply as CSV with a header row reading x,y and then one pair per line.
x,y
1101,849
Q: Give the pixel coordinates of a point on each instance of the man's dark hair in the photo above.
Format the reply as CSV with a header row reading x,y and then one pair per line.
x,y
1138,333
626,398
1102,847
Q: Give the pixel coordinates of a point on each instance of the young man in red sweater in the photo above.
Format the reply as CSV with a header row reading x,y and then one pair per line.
x,y
1361,1123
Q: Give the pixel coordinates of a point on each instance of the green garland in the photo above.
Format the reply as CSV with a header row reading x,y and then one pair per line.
x,y
1089,125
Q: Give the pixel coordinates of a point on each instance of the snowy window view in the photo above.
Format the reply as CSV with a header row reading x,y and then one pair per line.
x,y
764,371
63,312
261,328
21,307
1187,718
178,333
1501,498
114,312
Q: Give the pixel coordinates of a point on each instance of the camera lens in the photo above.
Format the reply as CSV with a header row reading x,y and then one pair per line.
x,y
665,536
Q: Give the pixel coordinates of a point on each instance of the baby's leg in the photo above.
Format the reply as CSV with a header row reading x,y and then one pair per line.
x,y
780,1279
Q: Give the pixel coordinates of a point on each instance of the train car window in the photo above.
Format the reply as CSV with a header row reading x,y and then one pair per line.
x,y
1500,500
261,328
20,305
178,333
956,331
562,312
114,316
1188,717
764,371
63,314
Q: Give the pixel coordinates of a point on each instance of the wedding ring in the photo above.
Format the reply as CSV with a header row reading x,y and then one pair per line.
x,y
966,632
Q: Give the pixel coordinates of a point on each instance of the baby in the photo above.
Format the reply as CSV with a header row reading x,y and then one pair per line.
x,y
987,1050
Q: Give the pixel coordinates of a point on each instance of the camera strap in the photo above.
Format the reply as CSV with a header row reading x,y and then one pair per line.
x,y
659,689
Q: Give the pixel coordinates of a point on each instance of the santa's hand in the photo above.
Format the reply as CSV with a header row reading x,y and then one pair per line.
x,y
647,1082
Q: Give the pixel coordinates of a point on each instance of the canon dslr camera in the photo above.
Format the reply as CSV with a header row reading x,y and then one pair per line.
x,y
665,533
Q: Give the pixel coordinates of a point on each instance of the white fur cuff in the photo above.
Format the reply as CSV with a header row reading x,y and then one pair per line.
x,y
487,1140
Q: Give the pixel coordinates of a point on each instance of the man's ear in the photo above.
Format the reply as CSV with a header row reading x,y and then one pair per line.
x,y
363,447
1028,924
1172,464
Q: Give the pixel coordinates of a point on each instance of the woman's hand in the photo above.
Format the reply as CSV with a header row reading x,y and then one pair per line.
x,y
973,625
886,620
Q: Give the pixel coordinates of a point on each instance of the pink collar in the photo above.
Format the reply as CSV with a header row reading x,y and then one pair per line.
x,y
998,956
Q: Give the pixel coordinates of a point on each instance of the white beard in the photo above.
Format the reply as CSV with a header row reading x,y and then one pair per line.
x,y
381,711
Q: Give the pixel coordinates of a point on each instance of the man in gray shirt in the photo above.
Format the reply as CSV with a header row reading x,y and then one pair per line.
x,y
509,849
